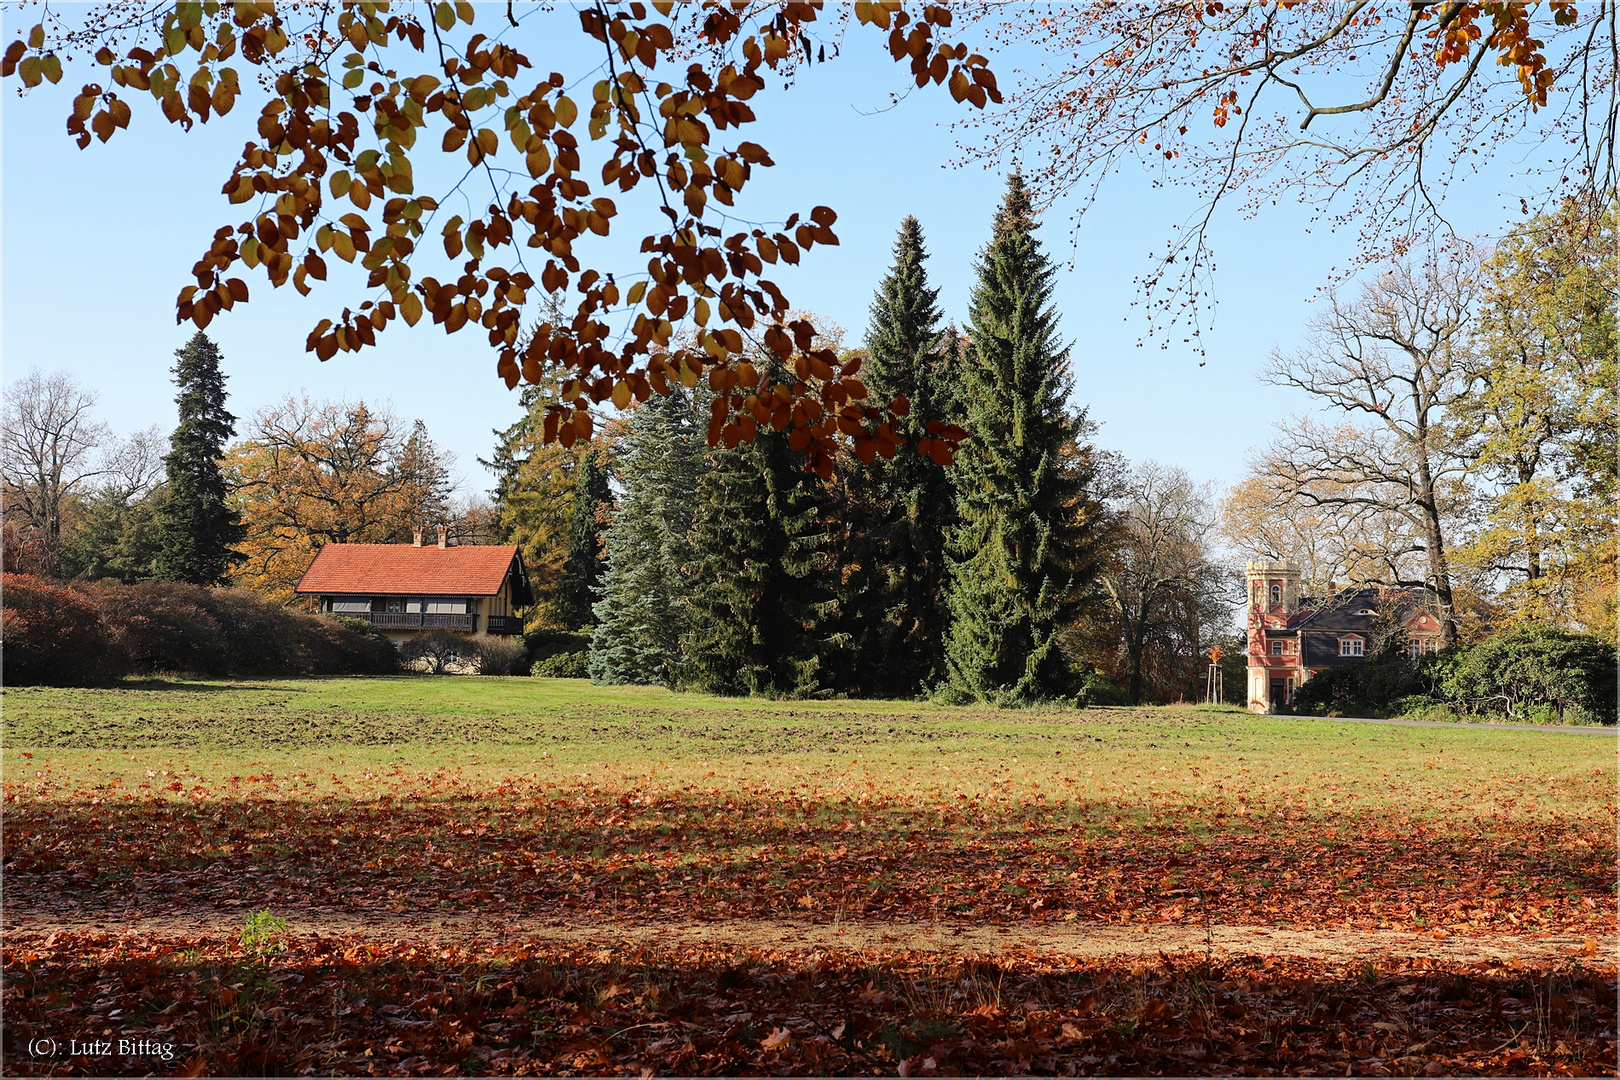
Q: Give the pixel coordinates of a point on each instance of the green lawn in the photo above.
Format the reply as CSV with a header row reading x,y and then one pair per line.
x,y
1138,760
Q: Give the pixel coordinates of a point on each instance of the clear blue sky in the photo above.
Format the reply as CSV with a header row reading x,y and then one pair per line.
x,y
98,242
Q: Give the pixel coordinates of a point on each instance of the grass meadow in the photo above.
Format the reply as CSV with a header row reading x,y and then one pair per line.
x,y
363,810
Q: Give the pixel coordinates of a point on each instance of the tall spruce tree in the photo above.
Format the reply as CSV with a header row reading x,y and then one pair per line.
x,y
576,592
642,610
1025,544
902,508
760,579
196,524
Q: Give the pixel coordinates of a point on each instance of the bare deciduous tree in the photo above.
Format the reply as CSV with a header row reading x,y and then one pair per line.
x,y
1334,540
1392,361
1164,598
133,467
48,451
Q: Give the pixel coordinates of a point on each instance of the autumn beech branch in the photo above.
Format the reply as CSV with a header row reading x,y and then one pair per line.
x,y
339,126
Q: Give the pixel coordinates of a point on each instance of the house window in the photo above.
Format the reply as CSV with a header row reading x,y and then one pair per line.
x,y
1290,698
1276,648
1254,593
396,605
1414,648
1351,646
1276,594
351,605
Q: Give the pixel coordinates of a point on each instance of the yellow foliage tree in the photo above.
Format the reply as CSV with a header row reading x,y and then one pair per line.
x,y
317,473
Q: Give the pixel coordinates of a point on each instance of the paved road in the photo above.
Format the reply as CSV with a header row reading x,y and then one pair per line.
x,y
1585,729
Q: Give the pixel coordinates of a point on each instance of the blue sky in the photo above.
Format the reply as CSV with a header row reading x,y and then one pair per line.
x,y
96,243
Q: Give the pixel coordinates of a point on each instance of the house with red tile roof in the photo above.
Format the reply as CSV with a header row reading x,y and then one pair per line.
x,y
408,589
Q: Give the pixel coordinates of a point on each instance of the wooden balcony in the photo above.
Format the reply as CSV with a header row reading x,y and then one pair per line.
x,y
415,620
504,624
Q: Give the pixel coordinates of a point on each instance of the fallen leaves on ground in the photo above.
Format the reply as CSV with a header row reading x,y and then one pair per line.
x,y
530,845
351,1006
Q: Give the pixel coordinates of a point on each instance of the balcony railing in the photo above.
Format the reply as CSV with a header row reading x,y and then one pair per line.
x,y
504,624
416,620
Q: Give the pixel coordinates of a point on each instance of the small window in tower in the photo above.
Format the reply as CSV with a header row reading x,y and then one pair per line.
x,y
1276,594
1276,648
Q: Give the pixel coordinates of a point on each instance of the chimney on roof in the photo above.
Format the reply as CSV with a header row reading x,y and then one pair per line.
x,y
444,535
416,537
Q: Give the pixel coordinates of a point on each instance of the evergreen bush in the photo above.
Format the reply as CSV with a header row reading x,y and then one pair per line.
x,y
1369,687
1531,674
543,644
574,665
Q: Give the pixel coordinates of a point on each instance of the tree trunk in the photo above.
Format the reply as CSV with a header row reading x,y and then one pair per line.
x,y
1434,540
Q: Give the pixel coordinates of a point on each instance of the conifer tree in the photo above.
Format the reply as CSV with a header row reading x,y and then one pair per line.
x,y
1025,543
760,575
903,507
642,610
576,592
196,524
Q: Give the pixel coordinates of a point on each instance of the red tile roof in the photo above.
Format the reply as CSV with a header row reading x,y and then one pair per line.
x,y
404,569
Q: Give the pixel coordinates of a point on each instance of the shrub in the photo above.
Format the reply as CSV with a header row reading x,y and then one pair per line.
x,y
1369,687
162,627
543,644
574,665
1533,674
1098,689
501,656
168,627
1421,707
436,651
54,636
354,647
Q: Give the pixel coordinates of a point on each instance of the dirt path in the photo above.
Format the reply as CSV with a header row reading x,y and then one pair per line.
x,y
1071,939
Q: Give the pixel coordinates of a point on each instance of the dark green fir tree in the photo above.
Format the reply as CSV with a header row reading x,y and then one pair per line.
x,y
1024,547
582,574
760,578
196,524
902,508
116,537
643,607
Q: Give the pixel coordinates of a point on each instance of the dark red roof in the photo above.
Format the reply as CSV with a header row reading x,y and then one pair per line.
x,y
404,569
